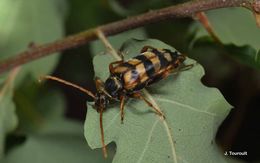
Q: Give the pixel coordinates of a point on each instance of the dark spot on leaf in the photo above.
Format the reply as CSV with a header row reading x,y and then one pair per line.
x,y
175,141
212,142
180,129
169,156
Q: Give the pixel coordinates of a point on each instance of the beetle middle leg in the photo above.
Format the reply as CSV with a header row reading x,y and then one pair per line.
x,y
186,67
141,97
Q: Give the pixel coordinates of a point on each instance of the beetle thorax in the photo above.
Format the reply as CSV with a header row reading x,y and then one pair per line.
x,y
113,86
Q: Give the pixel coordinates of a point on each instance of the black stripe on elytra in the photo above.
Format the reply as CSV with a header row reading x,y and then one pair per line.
x,y
163,61
121,74
149,67
139,86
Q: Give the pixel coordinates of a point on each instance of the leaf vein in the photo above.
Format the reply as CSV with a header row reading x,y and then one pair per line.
x,y
148,140
185,106
170,136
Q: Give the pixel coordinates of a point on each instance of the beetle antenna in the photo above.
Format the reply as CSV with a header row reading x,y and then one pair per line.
x,y
102,133
48,77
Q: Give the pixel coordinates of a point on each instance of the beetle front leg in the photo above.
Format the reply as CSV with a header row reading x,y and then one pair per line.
x,y
122,104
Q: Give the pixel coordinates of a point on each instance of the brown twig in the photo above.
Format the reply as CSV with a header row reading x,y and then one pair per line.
x,y
187,9
256,9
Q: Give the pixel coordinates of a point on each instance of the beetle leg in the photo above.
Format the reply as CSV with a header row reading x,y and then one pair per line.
x,y
186,67
100,86
102,132
176,71
111,65
139,96
146,48
122,104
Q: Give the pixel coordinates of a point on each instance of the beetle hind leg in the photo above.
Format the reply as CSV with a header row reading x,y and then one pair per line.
x,y
139,96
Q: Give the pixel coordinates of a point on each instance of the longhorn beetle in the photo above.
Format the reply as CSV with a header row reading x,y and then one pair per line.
x,y
128,78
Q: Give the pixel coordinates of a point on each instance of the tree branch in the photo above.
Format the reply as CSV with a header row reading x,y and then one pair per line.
x,y
187,9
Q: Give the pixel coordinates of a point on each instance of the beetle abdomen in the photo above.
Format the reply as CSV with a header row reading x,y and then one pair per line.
x,y
147,68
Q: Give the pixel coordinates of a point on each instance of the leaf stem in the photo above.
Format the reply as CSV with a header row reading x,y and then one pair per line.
x,y
9,82
107,44
203,19
187,9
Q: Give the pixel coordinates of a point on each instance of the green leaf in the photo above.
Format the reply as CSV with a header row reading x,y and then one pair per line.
x,y
193,114
22,23
32,100
235,27
8,119
62,141
30,21
244,54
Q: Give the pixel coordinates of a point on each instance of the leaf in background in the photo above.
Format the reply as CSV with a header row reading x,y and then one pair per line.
x,y
37,104
235,27
247,54
22,23
30,21
193,114
61,141
8,119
